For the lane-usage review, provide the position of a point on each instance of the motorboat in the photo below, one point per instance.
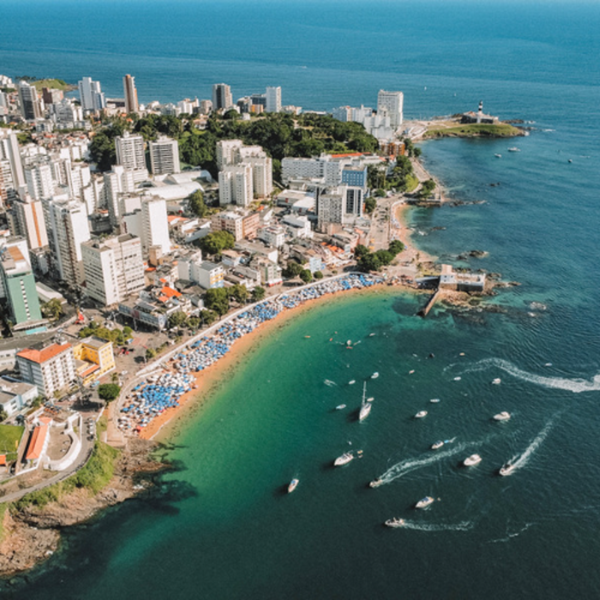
(395, 522)
(349, 343)
(352, 382)
(375, 375)
(340, 407)
(472, 460)
(514, 149)
(457, 379)
(371, 334)
(502, 416)
(424, 502)
(293, 485)
(344, 459)
(370, 399)
(496, 381)
(434, 400)
(437, 445)
(364, 411)
(411, 372)
(376, 483)
(507, 469)
(421, 414)
(498, 155)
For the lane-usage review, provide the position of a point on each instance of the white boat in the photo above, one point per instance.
(340, 407)
(424, 502)
(376, 483)
(507, 469)
(352, 382)
(371, 334)
(457, 379)
(503, 416)
(370, 399)
(437, 445)
(395, 522)
(514, 149)
(421, 414)
(293, 485)
(498, 155)
(344, 459)
(496, 381)
(349, 343)
(364, 411)
(472, 460)
(434, 400)
(375, 375)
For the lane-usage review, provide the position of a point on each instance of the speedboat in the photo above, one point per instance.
(371, 334)
(370, 399)
(349, 343)
(434, 400)
(340, 407)
(496, 381)
(498, 155)
(424, 502)
(364, 411)
(437, 445)
(421, 414)
(507, 469)
(376, 483)
(457, 379)
(352, 382)
(503, 416)
(375, 375)
(514, 149)
(472, 460)
(344, 459)
(395, 522)
(293, 485)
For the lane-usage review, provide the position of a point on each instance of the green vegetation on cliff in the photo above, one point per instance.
(474, 130)
(55, 84)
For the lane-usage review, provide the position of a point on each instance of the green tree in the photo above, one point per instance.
(258, 294)
(384, 257)
(427, 188)
(370, 205)
(292, 270)
(177, 319)
(109, 391)
(3, 414)
(193, 323)
(52, 309)
(395, 247)
(196, 204)
(102, 151)
(318, 275)
(360, 251)
(369, 262)
(150, 353)
(239, 293)
(208, 316)
(215, 243)
(306, 276)
(217, 299)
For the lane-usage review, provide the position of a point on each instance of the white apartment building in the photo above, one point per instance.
(31, 105)
(322, 167)
(235, 185)
(227, 152)
(234, 153)
(298, 227)
(50, 369)
(131, 97)
(130, 151)
(164, 156)
(262, 175)
(330, 208)
(273, 235)
(40, 182)
(155, 226)
(31, 222)
(70, 229)
(221, 96)
(391, 104)
(273, 96)
(117, 182)
(188, 266)
(66, 113)
(13, 177)
(90, 95)
(113, 268)
(210, 275)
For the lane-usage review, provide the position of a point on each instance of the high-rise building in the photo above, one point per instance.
(221, 96)
(91, 96)
(130, 151)
(273, 96)
(18, 284)
(52, 368)
(29, 215)
(262, 175)
(51, 96)
(113, 268)
(131, 97)
(9, 153)
(31, 107)
(227, 152)
(38, 175)
(235, 185)
(70, 228)
(391, 104)
(118, 181)
(155, 227)
(164, 156)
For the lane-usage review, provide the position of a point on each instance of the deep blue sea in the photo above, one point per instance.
(220, 525)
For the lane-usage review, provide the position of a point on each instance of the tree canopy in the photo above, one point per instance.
(109, 391)
(216, 242)
(217, 299)
(196, 204)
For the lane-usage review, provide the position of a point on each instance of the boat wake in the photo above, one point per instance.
(576, 385)
(330, 383)
(462, 526)
(509, 536)
(412, 464)
(519, 461)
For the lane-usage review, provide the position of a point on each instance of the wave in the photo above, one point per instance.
(462, 526)
(575, 385)
(519, 461)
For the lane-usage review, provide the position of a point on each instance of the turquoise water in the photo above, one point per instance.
(220, 525)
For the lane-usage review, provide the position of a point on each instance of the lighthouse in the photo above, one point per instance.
(480, 111)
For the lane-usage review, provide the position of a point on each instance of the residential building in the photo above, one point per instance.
(227, 152)
(131, 96)
(273, 235)
(51, 96)
(15, 394)
(18, 286)
(240, 225)
(113, 268)
(143, 311)
(262, 175)
(31, 106)
(117, 182)
(235, 185)
(273, 98)
(298, 227)
(164, 156)
(270, 272)
(51, 369)
(210, 275)
(29, 216)
(391, 104)
(10, 162)
(130, 151)
(94, 358)
(70, 229)
(38, 175)
(154, 225)
(330, 209)
(221, 97)
(91, 96)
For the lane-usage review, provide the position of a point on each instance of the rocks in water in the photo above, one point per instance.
(495, 184)
(538, 306)
(472, 254)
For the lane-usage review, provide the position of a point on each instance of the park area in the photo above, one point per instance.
(10, 436)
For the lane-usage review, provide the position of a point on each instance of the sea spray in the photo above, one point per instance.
(519, 461)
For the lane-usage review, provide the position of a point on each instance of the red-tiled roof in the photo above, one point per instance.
(170, 292)
(41, 356)
(36, 442)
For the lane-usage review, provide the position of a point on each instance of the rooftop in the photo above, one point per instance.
(36, 442)
(44, 355)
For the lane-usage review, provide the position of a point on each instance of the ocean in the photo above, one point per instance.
(220, 525)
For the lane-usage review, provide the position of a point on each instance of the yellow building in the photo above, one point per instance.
(94, 358)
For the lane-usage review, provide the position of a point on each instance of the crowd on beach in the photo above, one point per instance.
(160, 392)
